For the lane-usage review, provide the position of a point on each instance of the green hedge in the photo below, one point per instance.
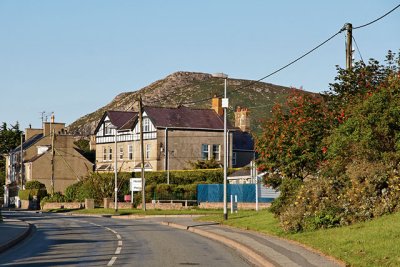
(184, 177)
(35, 185)
(28, 194)
(56, 197)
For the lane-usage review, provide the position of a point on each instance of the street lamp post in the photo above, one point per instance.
(225, 105)
(115, 172)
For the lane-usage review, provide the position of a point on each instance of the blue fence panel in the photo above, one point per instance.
(214, 193)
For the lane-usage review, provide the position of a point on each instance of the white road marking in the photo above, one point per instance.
(119, 248)
(111, 262)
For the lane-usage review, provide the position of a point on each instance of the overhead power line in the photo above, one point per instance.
(274, 72)
(297, 59)
(375, 20)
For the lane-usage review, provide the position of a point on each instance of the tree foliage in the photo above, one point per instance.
(349, 142)
(291, 141)
(10, 138)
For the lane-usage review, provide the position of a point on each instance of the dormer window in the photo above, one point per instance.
(107, 128)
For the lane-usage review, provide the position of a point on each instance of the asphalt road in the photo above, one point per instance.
(59, 240)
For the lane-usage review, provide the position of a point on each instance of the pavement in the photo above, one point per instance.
(258, 249)
(12, 231)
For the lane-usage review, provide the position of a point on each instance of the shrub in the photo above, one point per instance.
(74, 192)
(24, 194)
(28, 194)
(34, 185)
(288, 189)
(315, 205)
(57, 197)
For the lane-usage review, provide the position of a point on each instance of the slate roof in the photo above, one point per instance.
(186, 118)
(121, 118)
(28, 143)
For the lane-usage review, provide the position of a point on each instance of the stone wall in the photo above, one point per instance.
(30, 204)
(244, 206)
(164, 206)
(62, 205)
(124, 205)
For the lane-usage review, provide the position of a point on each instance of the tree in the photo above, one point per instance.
(291, 141)
(363, 79)
(10, 138)
(358, 177)
(372, 130)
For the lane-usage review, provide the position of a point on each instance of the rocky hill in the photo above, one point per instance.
(185, 88)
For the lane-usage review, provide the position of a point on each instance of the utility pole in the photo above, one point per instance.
(142, 153)
(22, 163)
(116, 172)
(349, 46)
(52, 162)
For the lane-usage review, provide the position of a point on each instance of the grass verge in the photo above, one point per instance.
(372, 243)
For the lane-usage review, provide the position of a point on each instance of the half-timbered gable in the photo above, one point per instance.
(173, 137)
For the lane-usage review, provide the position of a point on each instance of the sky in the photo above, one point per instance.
(72, 57)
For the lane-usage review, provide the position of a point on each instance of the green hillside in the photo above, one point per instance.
(185, 88)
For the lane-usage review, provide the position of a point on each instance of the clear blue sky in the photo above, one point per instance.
(74, 56)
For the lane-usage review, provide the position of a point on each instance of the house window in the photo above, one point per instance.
(216, 152)
(146, 125)
(204, 151)
(109, 153)
(130, 152)
(104, 153)
(233, 158)
(107, 128)
(121, 153)
(148, 147)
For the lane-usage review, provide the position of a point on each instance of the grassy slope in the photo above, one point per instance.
(259, 97)
(373, 243)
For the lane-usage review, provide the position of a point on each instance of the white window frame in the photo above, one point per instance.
(216, 154)
(107, 128)
(146, 125)
(110, 153)
(205, 154)
(148, 149)
(105, 153)
(130, 152)
(121, 153)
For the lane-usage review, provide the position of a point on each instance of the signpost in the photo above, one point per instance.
(135, 184)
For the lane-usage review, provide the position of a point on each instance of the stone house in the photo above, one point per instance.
(68, 167)
(173, 137)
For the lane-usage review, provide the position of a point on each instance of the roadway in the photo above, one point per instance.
(63, 240)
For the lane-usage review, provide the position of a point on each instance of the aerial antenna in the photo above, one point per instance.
(44, 116)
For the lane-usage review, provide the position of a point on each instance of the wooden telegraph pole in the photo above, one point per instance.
(142, 153)
(52, 162)
(349, 46)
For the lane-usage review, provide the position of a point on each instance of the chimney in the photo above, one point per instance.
(30, 132)
(52, 117)
(217, 105)
(242, 119)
